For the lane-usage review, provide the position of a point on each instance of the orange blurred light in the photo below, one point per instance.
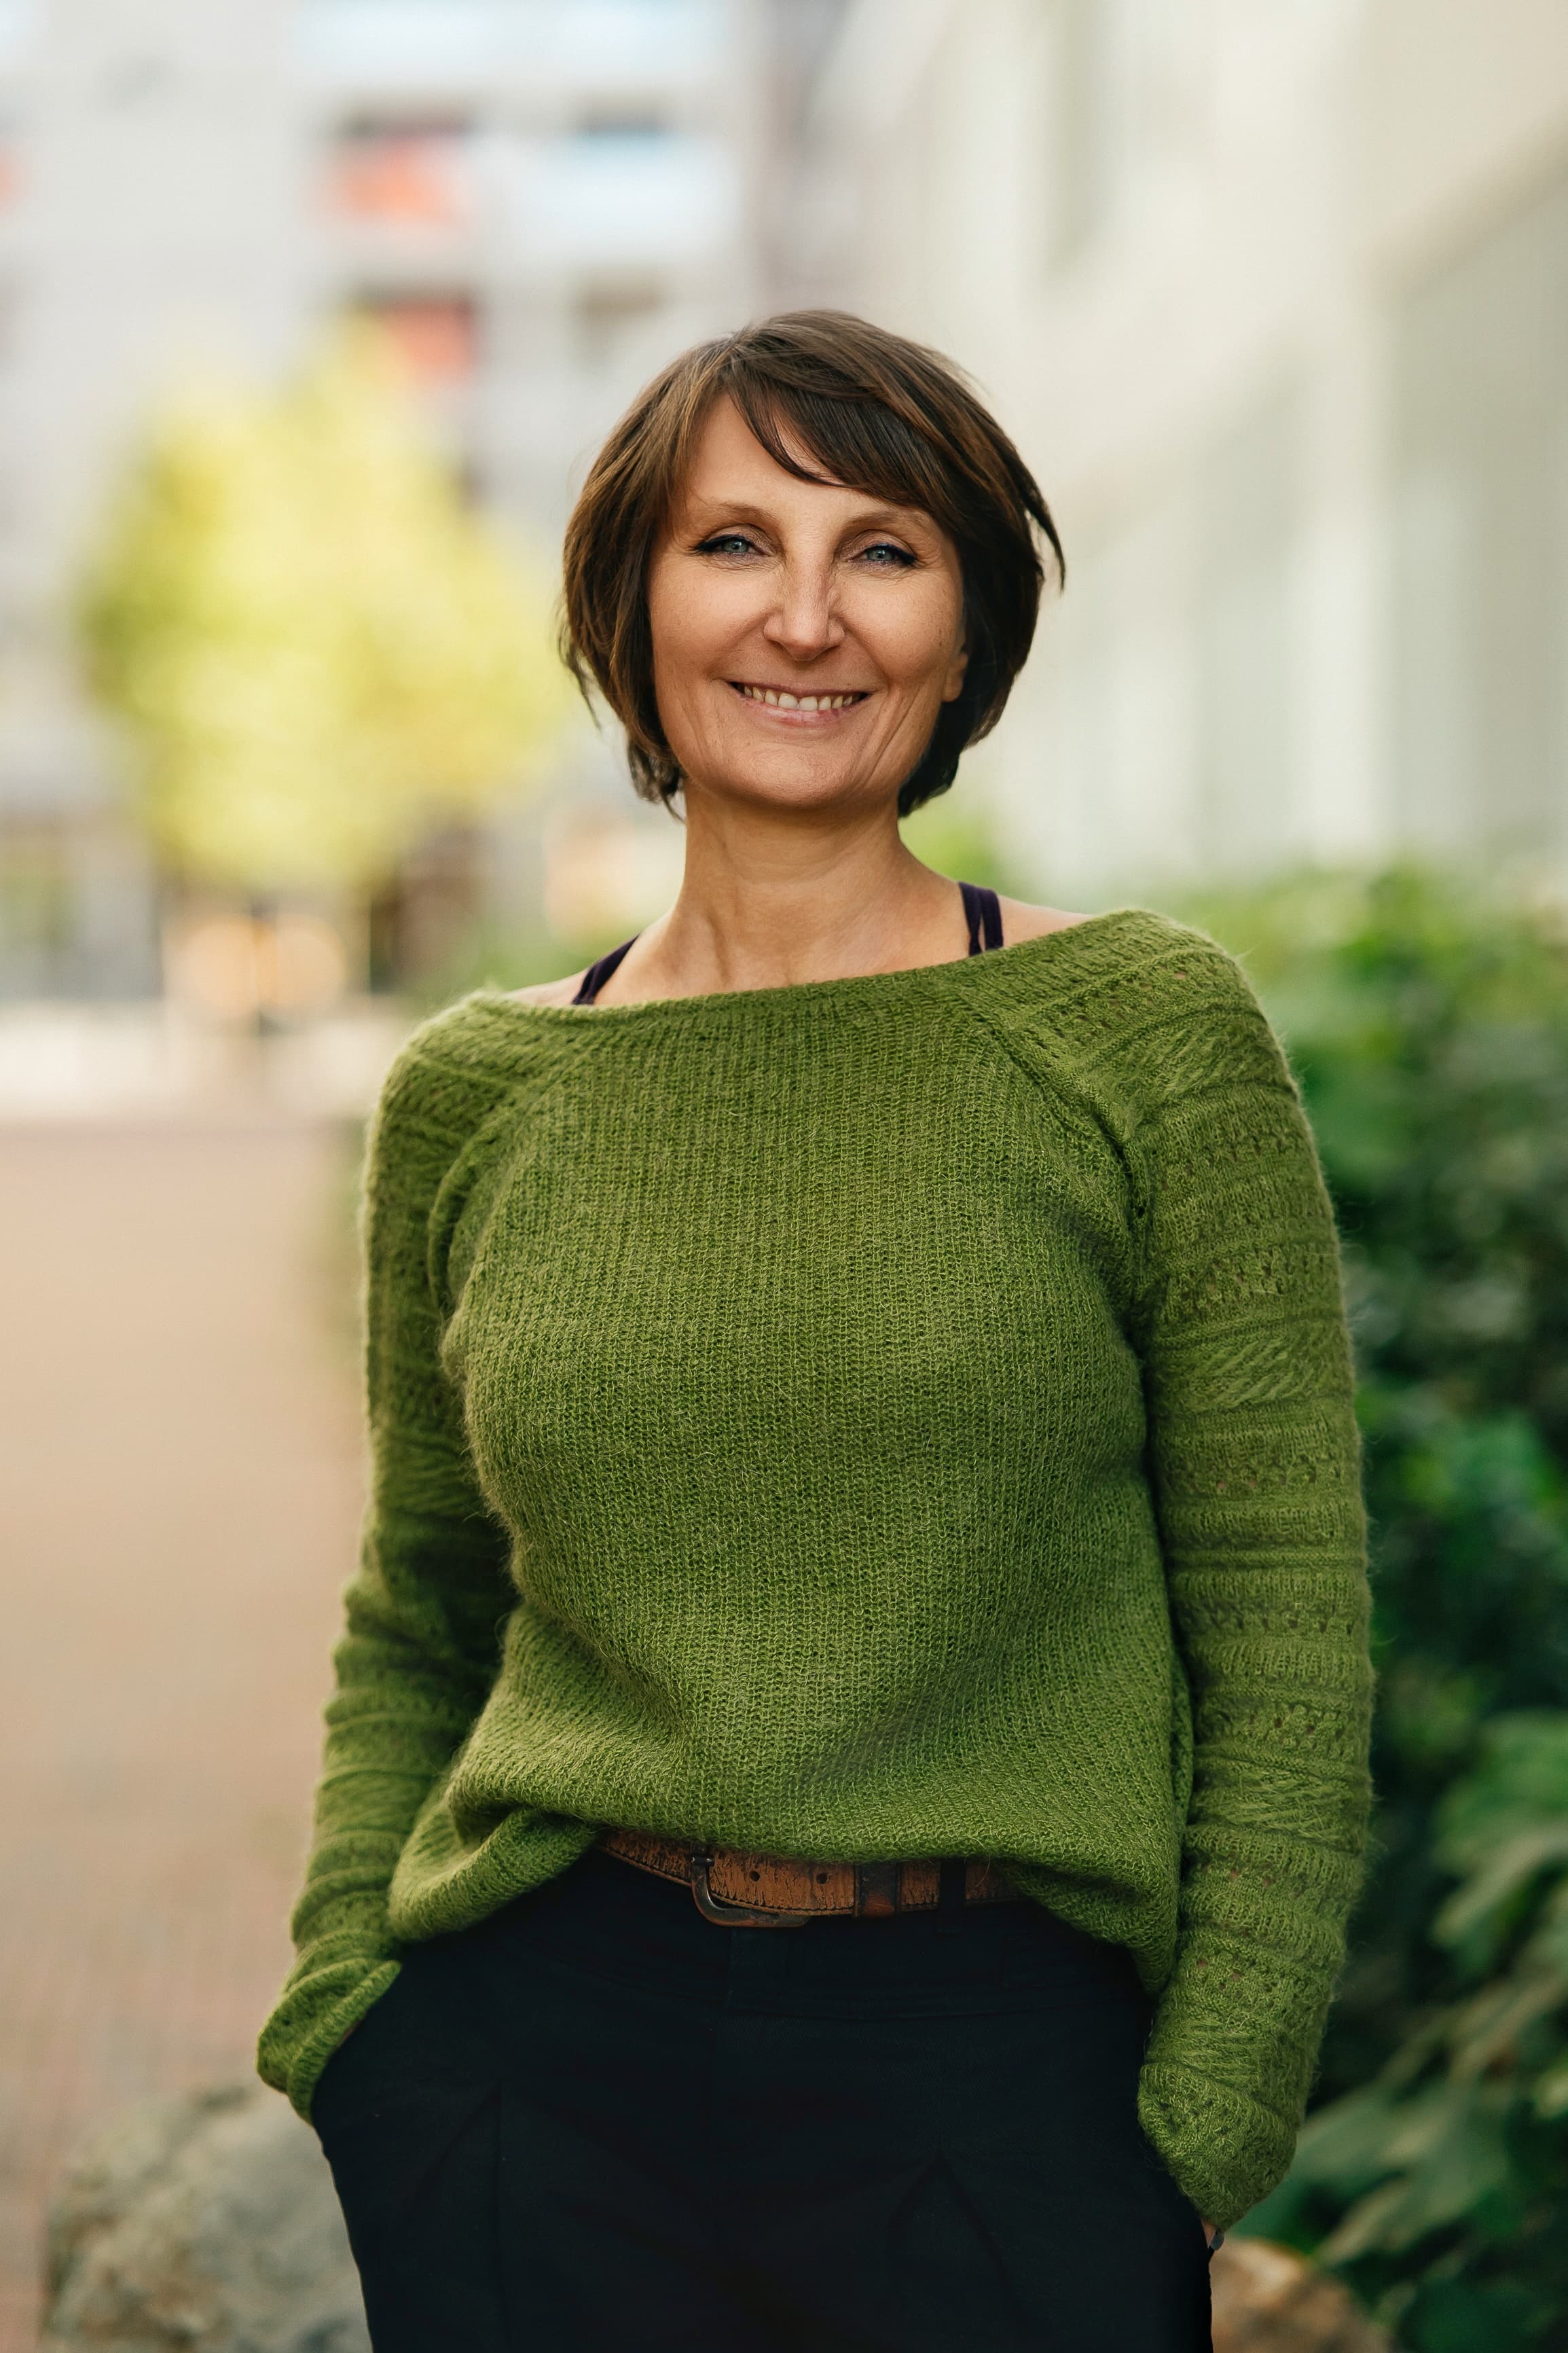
(233, 967)
(409, 175)
(213, 966)
(302, 966)
(436, 336)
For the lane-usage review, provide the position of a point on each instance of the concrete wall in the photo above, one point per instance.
(1213, 264)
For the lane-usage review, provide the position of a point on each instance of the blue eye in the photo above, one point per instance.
(887, 557)
(727, 543)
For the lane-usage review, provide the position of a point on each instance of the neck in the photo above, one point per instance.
(771, 898)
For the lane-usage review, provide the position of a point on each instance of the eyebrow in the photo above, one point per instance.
(743, 511)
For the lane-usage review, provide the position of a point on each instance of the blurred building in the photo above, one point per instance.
(1276, 299)
(542, 199)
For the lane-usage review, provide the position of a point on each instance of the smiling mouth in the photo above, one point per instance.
(779, 698)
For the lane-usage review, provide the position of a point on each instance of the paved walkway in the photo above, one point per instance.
(179, 1487)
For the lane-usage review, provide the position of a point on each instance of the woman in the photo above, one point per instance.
(847, 1766)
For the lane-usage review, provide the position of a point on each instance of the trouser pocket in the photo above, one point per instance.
(418, 2183)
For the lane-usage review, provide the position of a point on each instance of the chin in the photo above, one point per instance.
(803, 788)
(782, 777)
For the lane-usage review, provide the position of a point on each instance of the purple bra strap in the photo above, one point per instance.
(983, 911)
(596, 976)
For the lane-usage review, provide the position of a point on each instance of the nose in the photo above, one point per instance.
(804, 623)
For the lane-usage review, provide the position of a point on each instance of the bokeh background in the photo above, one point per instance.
(311, 312)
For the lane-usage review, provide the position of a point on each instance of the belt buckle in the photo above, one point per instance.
(736, 1915)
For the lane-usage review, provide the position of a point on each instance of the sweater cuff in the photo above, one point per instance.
(1225, 2150)
(321, 2006)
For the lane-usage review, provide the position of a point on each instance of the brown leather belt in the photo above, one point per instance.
(772, 1891)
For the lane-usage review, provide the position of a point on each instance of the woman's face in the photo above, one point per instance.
(804, 636)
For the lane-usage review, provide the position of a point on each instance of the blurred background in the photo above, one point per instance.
(311, 315)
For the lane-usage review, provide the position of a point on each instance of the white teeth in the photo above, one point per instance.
(781, 700)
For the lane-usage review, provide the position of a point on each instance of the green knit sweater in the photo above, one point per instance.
(896, 1416)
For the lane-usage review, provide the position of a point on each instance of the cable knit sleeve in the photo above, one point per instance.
(422, 1639)
(1254, 1458)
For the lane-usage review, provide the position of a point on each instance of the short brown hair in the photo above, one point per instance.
(877, 413)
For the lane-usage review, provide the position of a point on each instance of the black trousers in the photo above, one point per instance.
(598, 2124)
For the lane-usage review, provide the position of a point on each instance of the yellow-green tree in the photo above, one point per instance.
(315, 646)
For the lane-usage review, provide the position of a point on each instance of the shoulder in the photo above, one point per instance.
(1136, 1008)
(1022, 922)
(551, 992)
(447, 1076)
(1120, 971)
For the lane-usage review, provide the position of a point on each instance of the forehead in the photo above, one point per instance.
(729, 465)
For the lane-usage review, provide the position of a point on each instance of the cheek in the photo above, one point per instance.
(672, 625)
(691, 620)
(913, 639)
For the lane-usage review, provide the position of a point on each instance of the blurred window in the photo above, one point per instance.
(407, 173)
(17, 22)
(400, 41)
(613, 44)
(614, 199)
(437, 335)
(631, 43)
(1481, 540)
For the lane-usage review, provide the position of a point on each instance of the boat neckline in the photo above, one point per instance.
(806, 991)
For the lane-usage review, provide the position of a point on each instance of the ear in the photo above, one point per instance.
(957, 670)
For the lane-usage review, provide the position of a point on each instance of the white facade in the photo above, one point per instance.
(1275, 303)
(543, 198)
